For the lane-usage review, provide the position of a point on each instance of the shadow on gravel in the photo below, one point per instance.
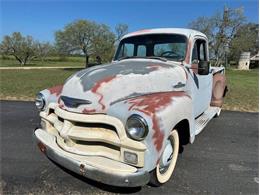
(105, 187)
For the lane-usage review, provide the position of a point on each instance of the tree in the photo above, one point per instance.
(220, 30)
(44, 50)
(245, 40)
(22, 48)
(121, 30)
(83, 36)
(103, 43)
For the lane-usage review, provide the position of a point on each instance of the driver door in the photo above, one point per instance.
(202, 83)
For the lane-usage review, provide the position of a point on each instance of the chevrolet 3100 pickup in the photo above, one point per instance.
(124, 123)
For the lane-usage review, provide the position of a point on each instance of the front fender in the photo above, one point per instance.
(52, 95)
(162, 111)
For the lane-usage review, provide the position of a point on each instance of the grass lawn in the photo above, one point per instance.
(50, 61)
(243, 94)
(24, 84)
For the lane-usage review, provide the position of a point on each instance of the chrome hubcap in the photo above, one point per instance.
(166, 157)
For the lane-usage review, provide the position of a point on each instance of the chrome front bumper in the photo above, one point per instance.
(98, 168)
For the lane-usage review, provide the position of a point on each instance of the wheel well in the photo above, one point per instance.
(183, 129)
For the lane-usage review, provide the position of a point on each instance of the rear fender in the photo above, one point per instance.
(219, 88)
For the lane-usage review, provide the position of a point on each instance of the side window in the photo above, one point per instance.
(199, 51)
(202, 51)
(195, 53)
(141, 50)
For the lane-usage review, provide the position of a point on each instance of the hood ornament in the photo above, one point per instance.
(73, 102)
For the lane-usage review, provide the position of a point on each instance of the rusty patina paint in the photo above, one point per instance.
(98, 85)
(61, 106)
(140, 32)
(42, 147)
(88, 111)
(194, 68)
(56, 90)
(82, 169)
(102, 86)
(89, 78)
(151, 105)
(155, 67)
(218, 87)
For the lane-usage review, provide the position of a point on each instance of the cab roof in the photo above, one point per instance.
(182, 31)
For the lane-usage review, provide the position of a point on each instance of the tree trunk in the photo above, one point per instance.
(26, 59)
(18, 59)
(87, 60)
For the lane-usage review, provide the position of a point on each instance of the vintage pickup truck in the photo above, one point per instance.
(124, 123)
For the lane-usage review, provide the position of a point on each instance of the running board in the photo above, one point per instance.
(203, 120)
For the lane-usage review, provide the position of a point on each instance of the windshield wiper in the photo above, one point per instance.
(144, 57)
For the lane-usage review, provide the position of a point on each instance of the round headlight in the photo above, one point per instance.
(40, 101)
(136, 127)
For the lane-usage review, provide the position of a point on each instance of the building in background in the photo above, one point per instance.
(254, 61)
(246, 62)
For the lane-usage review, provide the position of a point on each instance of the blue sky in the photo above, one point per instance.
(42, 18)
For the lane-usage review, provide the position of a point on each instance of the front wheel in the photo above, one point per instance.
(163, 171)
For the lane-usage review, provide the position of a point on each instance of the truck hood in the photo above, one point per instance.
(95, 89)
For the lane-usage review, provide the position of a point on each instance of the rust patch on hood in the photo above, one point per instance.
(154, 67)
(56, 90)
(97, 86)
(90, 77)
(108, 84)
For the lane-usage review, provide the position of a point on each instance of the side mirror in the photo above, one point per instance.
(203, 67)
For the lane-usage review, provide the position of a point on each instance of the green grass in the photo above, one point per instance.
(49, 61)
(243, 94)
(13, 63)
(24, 84)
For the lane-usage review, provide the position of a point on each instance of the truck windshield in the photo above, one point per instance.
(166, 46)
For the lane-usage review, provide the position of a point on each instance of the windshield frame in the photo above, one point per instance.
(115, 58)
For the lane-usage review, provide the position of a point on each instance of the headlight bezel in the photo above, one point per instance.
(41, 99)
(141, 121)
